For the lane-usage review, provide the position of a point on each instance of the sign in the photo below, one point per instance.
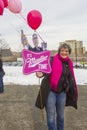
(36, 62)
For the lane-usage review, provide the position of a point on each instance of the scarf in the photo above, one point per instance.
(57, 70)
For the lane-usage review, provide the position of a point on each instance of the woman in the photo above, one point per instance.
(63, 89)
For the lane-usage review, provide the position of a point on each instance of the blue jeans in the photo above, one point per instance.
(56, 102)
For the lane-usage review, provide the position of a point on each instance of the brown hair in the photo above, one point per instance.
(64, 45)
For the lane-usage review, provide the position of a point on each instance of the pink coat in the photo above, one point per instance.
(57, 71)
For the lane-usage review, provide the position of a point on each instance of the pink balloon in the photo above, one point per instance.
(34, 19)
(15, 6)
(5, 3)
(1, 7)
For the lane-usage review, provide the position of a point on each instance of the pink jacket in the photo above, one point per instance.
(57, 71)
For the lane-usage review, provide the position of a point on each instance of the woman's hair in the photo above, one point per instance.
(64, 45)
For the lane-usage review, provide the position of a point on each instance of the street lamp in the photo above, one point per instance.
(76, 52)
(83, 63)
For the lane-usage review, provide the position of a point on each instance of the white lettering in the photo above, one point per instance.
(42, 66)
(33, 62)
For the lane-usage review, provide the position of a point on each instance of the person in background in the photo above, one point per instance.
(62, 91)
(2, 73)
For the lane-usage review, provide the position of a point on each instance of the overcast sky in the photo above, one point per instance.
(61, 20)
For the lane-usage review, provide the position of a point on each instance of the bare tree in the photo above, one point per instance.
(3, 44)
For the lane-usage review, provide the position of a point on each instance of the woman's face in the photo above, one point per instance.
(64, 52)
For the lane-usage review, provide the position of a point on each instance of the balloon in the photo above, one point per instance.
(34, 19)
(1, 7)
(5, 3)
(15, 6)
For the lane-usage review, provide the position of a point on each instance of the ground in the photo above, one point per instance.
(18, 111)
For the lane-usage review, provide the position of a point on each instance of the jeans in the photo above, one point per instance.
(55, 104)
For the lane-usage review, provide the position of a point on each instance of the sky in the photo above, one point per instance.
(61, 20)
(14, 75)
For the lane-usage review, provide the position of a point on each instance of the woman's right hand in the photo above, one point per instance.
(39, 74)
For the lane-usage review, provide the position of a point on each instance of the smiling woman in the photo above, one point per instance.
(64, 50)
(60, 88)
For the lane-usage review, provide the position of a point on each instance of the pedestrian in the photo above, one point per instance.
(60, 88)
(2, 73)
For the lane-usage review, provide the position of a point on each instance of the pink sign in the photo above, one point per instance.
(36, 62)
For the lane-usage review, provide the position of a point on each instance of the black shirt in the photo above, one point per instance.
(63, 84)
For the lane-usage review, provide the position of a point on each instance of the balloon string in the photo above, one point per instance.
(23, 17)
(39, 36)
(20, 13)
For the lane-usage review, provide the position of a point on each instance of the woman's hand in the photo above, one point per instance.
(39, 74)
